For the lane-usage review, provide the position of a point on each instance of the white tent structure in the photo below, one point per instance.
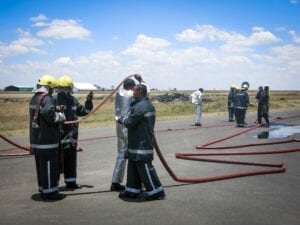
(84, 86)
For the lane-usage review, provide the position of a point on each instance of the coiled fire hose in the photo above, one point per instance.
(272, 168)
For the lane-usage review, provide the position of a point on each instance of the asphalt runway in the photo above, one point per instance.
(270, 199)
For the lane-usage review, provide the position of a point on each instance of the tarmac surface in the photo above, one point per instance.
(270, 199)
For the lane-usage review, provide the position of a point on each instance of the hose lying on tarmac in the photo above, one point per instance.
(276, 168)
(272, 168)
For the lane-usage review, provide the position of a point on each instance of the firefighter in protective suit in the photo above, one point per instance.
(123, 99)
(140, 171)
(241, 105)
(230, 102)
(69, 132)
(44, 137)
(196, 99)
(264, 109)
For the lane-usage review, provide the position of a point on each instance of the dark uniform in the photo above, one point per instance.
(69, 134)
(230, 103)
(241, 105)
(264, 108)
(44, 141)
(259, 103)
(140, 124)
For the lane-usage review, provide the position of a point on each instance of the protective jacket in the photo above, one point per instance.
(122, 102)
(140, 124)
(69, 132)
(45, 134)
(242, 99)
(72, 109)
(196, 97)
(264, 97)
(44, 141)
(258, 95)
(231, 96)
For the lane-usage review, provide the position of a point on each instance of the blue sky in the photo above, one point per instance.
(183, 44)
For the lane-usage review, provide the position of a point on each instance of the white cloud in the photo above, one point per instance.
(64, 29)
(25, 44)
(164, 67)
(145, 44)
(296, 38)
(287, 53)
(63, 61)
(201, 33)
(38, 18)
(233, 41)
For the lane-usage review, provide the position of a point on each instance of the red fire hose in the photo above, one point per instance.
(275, 168)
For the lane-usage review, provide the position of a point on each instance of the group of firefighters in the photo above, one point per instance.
(238, 102)
(54, 143)
(54, 112)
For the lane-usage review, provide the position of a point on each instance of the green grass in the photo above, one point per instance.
(14, 114)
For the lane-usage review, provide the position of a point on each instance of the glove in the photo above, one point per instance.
(90, 96)
(119, 119)
(60, 117)
(138, 77)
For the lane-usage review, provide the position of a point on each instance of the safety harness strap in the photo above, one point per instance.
(38, 105)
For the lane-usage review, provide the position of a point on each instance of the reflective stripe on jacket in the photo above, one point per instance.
(45, 134)
(140, 124)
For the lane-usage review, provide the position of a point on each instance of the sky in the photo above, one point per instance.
(173, 44)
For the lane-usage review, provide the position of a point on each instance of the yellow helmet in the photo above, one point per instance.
(48, 80)
(233, 86)
(65, 81)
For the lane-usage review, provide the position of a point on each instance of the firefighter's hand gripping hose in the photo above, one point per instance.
(271, 168)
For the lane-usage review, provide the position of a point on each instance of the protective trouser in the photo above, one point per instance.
(240, 114)
(139, 173)
(120, 165)
(259, 112)
(47, 170)
(198, 114)
(70, 164)
(264, 113)
(231, 112)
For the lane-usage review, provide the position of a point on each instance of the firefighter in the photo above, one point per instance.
(264, 101)
(124, 98)
(230, 102)
(140, 171)
(259, 103)
(241, 105)
(196, 99)
(44, 137)
(69, 132)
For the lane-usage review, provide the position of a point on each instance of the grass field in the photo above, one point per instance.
(14, 114)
